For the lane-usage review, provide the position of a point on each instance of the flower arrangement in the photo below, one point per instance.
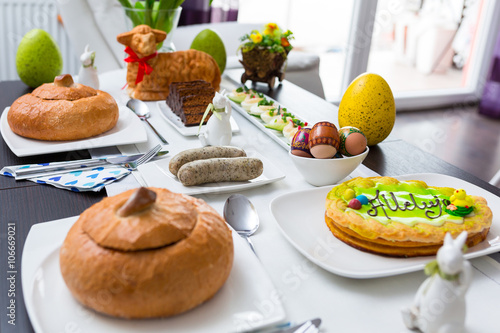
(271, 38)
(264, 54)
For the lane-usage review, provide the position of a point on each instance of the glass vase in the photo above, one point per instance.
(161, 19)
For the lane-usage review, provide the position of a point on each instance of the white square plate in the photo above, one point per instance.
(51, 307)
(127, 130)
(306, 229)
(177, 123)
(157, 174)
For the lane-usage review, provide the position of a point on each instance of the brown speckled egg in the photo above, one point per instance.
(352, 141)
(324, 140)
(300, 143)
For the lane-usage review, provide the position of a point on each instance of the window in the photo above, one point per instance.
(431, 52)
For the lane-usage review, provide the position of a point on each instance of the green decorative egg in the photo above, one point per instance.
(38, 58)
(210, 42)
(368, 104)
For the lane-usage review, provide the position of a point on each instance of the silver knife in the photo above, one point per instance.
(63, 167)
(302, 327)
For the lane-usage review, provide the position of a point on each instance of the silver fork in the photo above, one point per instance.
(144, 158)
(77, 165)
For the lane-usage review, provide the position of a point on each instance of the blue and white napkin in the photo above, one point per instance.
(77, 181)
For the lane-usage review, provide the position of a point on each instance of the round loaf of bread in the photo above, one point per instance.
(147, 253)
(63, 111)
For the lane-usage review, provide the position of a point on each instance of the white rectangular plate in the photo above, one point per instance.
(273, 134)
(157, 174)
(177, 123)
(51, 307)
(127, 130)
(305, 228)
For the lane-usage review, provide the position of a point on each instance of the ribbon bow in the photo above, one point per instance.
(144, 67)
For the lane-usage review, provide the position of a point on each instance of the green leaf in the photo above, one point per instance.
(149, 4)
(210, 107)
(134, 16)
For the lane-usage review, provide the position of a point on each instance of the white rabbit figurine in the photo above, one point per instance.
(439, 305)
(218, 129)
(88, 73)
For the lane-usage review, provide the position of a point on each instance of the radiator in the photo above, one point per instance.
(17, 17)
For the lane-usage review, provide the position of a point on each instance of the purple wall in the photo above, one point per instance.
(490, 102)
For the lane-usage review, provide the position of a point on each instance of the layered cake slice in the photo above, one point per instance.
(189, 100)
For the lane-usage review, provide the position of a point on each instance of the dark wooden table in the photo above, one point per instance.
(24, 203)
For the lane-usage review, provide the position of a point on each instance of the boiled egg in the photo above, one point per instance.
(324, 140)
(257, 110)
(269, 116)
(300, 143)
(250, 101)
(352, 141)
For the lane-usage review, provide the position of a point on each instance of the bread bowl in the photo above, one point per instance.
(63, 110)
(147, 253)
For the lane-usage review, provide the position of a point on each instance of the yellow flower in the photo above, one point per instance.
(256, 37)
(270, 28)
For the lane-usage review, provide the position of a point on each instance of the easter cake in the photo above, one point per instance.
(403, 218)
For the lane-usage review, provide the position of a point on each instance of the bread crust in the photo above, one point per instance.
(395, 238)
(178, 66)
(63, 113)
(156, 282)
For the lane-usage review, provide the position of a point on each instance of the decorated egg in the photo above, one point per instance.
(324, 140)
(352, 141)
(368, 104)
(300, 143)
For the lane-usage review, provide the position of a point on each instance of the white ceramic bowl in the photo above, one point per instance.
(320, 172)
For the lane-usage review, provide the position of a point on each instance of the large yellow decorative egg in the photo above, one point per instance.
(368, 104)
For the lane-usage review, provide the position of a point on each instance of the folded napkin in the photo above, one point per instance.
(77, 181)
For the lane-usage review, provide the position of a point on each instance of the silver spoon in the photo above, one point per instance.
(240, 213)
(142, 111)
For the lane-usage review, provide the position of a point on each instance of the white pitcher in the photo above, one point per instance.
(218, 129)
(88, 73)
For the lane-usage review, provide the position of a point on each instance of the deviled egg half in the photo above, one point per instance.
(262, 106)
(251, 100)
(283, 122)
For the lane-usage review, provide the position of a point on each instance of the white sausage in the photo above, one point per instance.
(201, 154)
(220, 170)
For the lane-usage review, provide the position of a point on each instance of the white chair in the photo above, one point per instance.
(97, 23)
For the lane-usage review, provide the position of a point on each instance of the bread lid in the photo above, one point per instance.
(63, 88)
(140, 219)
